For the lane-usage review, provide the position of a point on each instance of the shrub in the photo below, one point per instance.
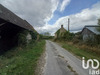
(68, 36)
(22, 41)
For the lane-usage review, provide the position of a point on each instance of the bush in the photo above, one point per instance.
(93, 41)
(67, 36)
(98, 39)
(22, 41)
(34, 35)
(75, 41)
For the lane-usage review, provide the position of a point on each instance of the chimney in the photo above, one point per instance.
(68, 23)
(61, 26)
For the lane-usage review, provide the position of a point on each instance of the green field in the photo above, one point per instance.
(21, 61)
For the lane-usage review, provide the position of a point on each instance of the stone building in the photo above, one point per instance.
(60, 32)
(90, 32)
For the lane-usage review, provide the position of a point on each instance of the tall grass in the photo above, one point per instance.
(78, 51)
(21, 61)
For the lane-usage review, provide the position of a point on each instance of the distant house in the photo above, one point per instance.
(90, 32)
(60, 31)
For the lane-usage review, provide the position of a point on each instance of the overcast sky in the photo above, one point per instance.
(49, 15)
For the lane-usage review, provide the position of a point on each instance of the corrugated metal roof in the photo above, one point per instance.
(12, 18)
(94, 29)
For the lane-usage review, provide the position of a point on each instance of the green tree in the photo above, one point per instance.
(47, 34)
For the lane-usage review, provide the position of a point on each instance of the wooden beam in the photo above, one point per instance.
(2, 24)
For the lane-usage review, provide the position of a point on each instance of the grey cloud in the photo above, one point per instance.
(34, 11)
(77, 21)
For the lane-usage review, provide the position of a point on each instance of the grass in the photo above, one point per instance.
(80, 52)
(21, 61)
(72, 69)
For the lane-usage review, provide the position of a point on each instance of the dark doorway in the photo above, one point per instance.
(8, 36)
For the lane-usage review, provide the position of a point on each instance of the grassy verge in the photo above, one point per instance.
(21, 61)
(80, 52)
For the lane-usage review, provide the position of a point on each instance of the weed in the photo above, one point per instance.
(21, 61)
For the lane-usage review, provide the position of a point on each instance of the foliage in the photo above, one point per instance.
(68, 36)
(58, 32)
(41, 36)
(22, 40)
(81, 52)
(21, 61)
(46, 37)
(98, 39)
(93, 42)
(46, 34)
(64, 36)
(34, 35)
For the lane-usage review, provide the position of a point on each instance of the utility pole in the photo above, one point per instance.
(68, 23)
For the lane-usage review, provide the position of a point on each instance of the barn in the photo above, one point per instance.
(10, 25)
(90, 32)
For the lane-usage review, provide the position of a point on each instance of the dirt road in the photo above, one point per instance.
(60, 62)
